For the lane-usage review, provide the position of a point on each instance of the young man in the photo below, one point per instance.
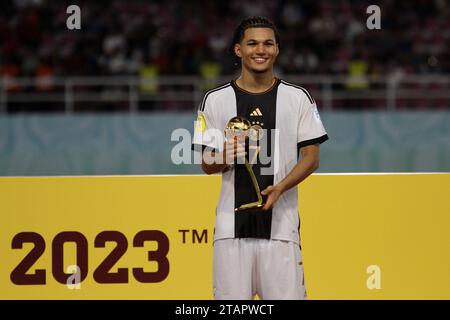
(258, 252)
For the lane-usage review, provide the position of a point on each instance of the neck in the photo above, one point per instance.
(255, 82)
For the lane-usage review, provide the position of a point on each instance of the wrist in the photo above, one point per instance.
(281, 187)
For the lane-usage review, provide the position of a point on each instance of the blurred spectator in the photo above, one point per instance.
(10, 70)
(44, 76)
(320, 35)
(174, 37)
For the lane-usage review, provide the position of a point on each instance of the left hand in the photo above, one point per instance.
(273, 194)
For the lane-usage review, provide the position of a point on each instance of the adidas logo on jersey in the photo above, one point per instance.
(256, 112)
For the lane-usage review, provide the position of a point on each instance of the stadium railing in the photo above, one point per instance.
(73, 94)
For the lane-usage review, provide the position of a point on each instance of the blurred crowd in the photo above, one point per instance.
(175, 37)
(185, 37)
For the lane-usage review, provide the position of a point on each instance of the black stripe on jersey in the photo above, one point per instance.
(309, 142)
(202, 106)
(298, 87)
(254, 224)
(198, 147)
(202, 147)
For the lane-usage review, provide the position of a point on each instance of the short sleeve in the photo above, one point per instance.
(206, 133)
(310, 128)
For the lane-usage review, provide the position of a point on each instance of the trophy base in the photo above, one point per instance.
(257, 207)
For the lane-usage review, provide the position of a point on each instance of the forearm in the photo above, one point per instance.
(213, 163)
(305, 167)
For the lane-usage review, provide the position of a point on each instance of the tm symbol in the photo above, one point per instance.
(196, 236)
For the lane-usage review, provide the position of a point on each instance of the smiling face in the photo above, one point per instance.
(258, 50)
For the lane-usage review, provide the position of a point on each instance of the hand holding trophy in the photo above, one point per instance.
(241, 128)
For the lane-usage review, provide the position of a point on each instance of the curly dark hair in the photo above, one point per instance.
(253, 22)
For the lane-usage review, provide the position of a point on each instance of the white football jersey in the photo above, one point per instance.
(288, 114)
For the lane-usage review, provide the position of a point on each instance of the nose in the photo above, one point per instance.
(260, 48)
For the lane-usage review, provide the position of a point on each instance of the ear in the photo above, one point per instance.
(237, 50)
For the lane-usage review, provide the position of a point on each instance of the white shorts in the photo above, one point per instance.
(244, 267)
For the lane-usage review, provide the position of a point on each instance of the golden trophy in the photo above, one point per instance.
(239, 126)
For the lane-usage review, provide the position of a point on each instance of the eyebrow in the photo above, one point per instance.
(254, 40)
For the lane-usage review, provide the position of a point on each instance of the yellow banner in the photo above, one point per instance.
(150, 237)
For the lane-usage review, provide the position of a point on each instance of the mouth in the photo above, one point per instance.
(260, 60)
